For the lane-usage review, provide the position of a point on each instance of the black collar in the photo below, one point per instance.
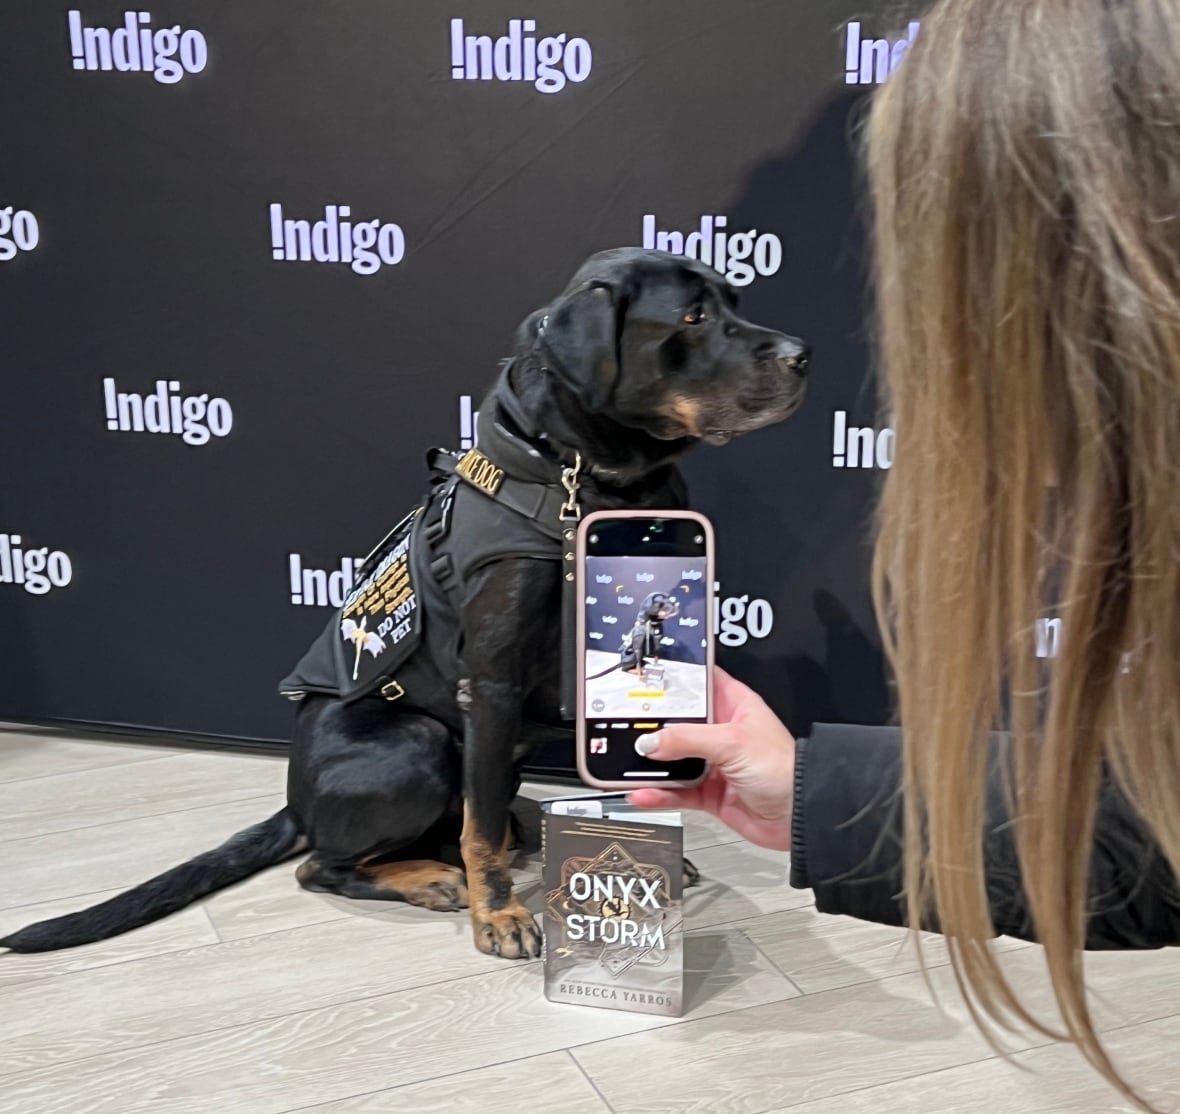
(509, 435)
(536, 482)
(503, 445)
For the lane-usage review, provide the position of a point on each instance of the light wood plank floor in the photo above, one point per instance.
(268, 999)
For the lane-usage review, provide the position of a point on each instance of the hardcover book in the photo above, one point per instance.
(613, 879)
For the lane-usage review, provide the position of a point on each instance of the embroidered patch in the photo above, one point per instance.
(379, 622)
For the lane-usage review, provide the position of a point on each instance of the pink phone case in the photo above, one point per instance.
(584, 526)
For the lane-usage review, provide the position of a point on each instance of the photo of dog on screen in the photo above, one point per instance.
(646, 636)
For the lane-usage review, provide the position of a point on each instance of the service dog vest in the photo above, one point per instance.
(398, 632)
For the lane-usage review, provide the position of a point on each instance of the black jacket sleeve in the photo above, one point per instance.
(846, 845)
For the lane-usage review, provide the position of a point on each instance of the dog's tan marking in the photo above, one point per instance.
(500, 923)
(415, 881)
(420, 882)
(686, 411)
(306, 871)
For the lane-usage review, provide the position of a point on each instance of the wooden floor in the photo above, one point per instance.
(266, 998)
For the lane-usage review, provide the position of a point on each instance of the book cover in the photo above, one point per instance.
(613, 928)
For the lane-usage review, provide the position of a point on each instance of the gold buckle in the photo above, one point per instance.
(391, 690)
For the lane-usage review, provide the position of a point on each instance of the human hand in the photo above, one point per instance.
(750, 785)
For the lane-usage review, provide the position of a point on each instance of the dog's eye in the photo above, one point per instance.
(694, 316)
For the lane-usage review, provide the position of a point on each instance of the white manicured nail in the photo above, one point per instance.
(647, 744)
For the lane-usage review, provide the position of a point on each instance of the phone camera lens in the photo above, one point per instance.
(594, 537)
(699, 539)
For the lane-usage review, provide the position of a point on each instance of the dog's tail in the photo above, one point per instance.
(239, 857)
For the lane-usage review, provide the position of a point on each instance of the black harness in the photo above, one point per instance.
(397, 634)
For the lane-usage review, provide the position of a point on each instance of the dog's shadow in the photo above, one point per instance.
(714, 962)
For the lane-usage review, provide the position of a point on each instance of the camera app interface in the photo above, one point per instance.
(646, 637)
(646, 618)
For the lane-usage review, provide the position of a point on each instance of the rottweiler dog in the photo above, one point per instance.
(642, 641)
(642, 357)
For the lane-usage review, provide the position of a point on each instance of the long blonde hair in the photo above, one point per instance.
(1024, 167)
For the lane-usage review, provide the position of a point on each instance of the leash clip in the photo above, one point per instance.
(570, 511)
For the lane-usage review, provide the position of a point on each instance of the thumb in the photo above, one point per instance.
(711, 741)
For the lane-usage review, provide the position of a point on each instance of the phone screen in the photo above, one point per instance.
(647, 607)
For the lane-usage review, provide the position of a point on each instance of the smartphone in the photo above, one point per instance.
(644, 585)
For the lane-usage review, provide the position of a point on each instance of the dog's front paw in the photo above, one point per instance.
(692, 876)
(510, 932)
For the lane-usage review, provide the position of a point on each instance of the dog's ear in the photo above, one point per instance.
(579, 341)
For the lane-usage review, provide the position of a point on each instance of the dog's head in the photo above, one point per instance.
(659, 606)
(654, 342)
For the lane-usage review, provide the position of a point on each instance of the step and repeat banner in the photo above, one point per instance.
(256, 258)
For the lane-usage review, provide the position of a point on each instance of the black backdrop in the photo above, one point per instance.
(149, 259)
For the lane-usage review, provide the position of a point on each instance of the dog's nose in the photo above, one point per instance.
(793, 356)
(790, 353)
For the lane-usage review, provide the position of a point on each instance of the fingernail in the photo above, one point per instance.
(647, 744)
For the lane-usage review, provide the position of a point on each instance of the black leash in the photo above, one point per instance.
(605, 672)
(571, 513)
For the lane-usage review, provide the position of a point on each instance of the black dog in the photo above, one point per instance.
(642, 641)
(641, 358)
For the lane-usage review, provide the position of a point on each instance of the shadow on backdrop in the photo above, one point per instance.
(781, 493)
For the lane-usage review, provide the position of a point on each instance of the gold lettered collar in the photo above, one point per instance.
(480, 472)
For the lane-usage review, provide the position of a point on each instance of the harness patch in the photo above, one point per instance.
(380, 622)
